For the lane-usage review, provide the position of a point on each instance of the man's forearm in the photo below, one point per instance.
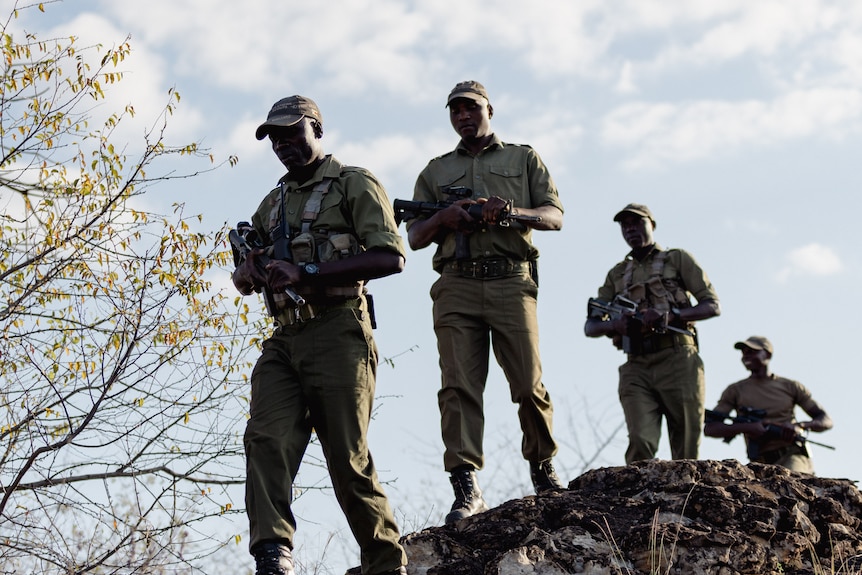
(703, 310)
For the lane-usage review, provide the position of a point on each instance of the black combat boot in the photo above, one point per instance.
(544, 477)
(468, 496)
(272, 558)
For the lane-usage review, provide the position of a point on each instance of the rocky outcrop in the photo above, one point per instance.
(688, 517)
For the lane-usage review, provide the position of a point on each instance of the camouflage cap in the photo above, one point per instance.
(471, 89)
(756, 342)
(288, 111)
(639, 210)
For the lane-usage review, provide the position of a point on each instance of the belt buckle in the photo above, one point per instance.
(470, 269)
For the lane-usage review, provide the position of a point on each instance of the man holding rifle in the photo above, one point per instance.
(775, 436)
(325, 230)
(663, 375)
(487, 289)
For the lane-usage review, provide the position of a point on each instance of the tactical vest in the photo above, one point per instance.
(307, 245)
(657, 292)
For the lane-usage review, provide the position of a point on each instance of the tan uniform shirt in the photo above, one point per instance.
(777, 395)
(511, 171)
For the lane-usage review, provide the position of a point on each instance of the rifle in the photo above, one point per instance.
(407, 210)
(623, 306)
(243, 240)
(752, 415)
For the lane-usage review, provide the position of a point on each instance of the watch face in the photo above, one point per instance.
(311, 269)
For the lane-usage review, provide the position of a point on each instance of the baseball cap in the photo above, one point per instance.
(756, 342)
(288, 111)
(636, 209)
(470, 89)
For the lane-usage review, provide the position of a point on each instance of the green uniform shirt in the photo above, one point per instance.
(511, 171)
(356, 203)
(679, 266)
(777, 395)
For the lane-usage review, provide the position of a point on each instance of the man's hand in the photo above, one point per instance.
(754, 429)
(282, 275)
(248, 277)
(494, 208)
(455, 217)
(655, 320)
(789, 431)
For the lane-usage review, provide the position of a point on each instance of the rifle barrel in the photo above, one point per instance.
(297, 299)
(818, 444)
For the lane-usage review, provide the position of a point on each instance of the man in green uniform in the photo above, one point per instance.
(776, 437)
(327, 229)
(663, 375)
(487, 290)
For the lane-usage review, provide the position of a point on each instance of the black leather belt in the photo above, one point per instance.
(310, 311)
(487, 268)
(774, 455)
(657, 342)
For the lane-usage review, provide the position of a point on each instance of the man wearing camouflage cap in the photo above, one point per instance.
(324, 231)
(663, 375)
(768, 402)
(487, 290)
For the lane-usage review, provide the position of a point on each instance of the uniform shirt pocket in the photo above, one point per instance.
(506, 182)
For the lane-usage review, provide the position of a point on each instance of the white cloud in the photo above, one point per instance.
(343, 47)
(658, 134)
(395, 160)
(144, 84)
(811, 260)
(762, 27)
(626, 82)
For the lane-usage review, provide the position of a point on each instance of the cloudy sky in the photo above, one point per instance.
(737, 122)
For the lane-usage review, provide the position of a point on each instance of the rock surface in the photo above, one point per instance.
(689, 517)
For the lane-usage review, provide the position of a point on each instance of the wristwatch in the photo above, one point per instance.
(311, 269)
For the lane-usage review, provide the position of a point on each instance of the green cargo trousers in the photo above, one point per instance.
(668, 383)
(470, 316)
(318, 376)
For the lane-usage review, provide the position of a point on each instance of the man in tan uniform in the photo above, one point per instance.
(487, 290)
(327, 229)
(776, 438)
(663, 375)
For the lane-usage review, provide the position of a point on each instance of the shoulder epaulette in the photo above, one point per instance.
(449, 153)
(528, 146)
(352, 169)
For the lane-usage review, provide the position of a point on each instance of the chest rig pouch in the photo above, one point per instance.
(657, 292)
(307, 245)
